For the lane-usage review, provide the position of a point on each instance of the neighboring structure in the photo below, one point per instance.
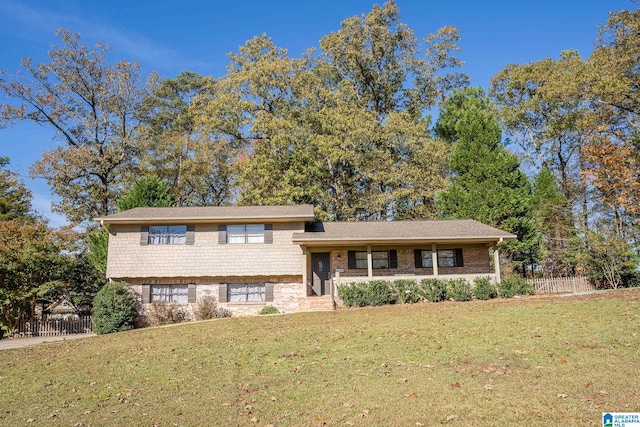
(251, 256)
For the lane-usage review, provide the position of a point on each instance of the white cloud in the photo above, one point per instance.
(39, 23)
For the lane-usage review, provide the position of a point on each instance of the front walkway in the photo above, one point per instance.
(26, 342)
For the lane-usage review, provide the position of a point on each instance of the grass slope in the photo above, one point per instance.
(530, 361)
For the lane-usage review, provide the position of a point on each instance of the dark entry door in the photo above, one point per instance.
(321, 273)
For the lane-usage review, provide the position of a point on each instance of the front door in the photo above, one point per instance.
(321, 273)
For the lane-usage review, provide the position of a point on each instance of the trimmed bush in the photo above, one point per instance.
(514, 285)
(375, 292)
(114, 309)
(460, 290)
(435, 290)
(406, 291)
(269, 309)
(484, 288)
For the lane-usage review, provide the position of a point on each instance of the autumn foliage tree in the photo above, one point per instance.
(93, 109)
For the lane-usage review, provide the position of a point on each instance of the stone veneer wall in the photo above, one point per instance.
(286, 293)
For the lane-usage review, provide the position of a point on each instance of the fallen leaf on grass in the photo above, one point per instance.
(410, 395)
(348, 405)
(562, 361)
(587, 385)
(455, 385)
(488, 387)
(562, 396)
(451, 417)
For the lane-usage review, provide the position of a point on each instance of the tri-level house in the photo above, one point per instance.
(248, 257)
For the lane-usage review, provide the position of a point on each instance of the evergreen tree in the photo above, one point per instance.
(486, 182)
(147, 191)
(554, 220)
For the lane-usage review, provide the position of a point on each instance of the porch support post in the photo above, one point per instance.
(369, 262)
(304, 271)
(434, 259)
(496, 262)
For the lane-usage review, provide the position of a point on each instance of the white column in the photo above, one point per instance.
(304, 271)
(434, 259)
(496, 262)
(369, 262)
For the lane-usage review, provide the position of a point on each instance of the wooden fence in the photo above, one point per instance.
(562, 284)
(47, 327)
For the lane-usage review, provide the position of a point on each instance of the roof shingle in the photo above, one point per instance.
(211, 213)
(394, 231)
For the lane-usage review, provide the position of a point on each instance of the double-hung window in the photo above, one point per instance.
(167, 234)
(170, 293)
(446, 258)
(379, 259)
(245, 233)
(246, 292)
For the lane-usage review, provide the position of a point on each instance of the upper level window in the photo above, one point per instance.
(245, 233)
(167, 234)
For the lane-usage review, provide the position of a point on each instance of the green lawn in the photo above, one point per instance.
(529, 361)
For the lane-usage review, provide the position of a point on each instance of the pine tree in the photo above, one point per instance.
(487, 184)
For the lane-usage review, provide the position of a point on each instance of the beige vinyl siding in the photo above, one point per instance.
(206, 257)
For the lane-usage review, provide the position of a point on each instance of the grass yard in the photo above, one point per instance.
(533, 361)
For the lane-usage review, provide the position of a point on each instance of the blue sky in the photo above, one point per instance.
(171, 36)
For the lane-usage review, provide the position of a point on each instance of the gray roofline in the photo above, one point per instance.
(201, 219)
(367, 240)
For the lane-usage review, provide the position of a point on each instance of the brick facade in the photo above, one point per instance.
(476, 260)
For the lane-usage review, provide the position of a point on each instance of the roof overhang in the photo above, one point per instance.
(399, 241)
(203, 220)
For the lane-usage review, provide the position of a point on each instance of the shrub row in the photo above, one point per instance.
(406, 291)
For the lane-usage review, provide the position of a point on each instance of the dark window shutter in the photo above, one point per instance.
(191, 234)
(459, 261)
(146, 293)
(268, 233)
(144, 235)
(191, 293)
(351, 259)
(417, 256)
(393, 258)
(222, 234)
(268, 292)
(222, 292)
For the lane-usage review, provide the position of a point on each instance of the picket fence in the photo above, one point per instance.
(562, 284)
(48, 327)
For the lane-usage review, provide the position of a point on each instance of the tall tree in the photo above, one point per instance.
(542, 108)
(94, 109)
(15, 198)
(612, 150)
(554, 221)
(198, 165)
(342, 129)
(486, 183)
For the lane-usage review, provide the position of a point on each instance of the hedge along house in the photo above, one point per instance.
(248, 257)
